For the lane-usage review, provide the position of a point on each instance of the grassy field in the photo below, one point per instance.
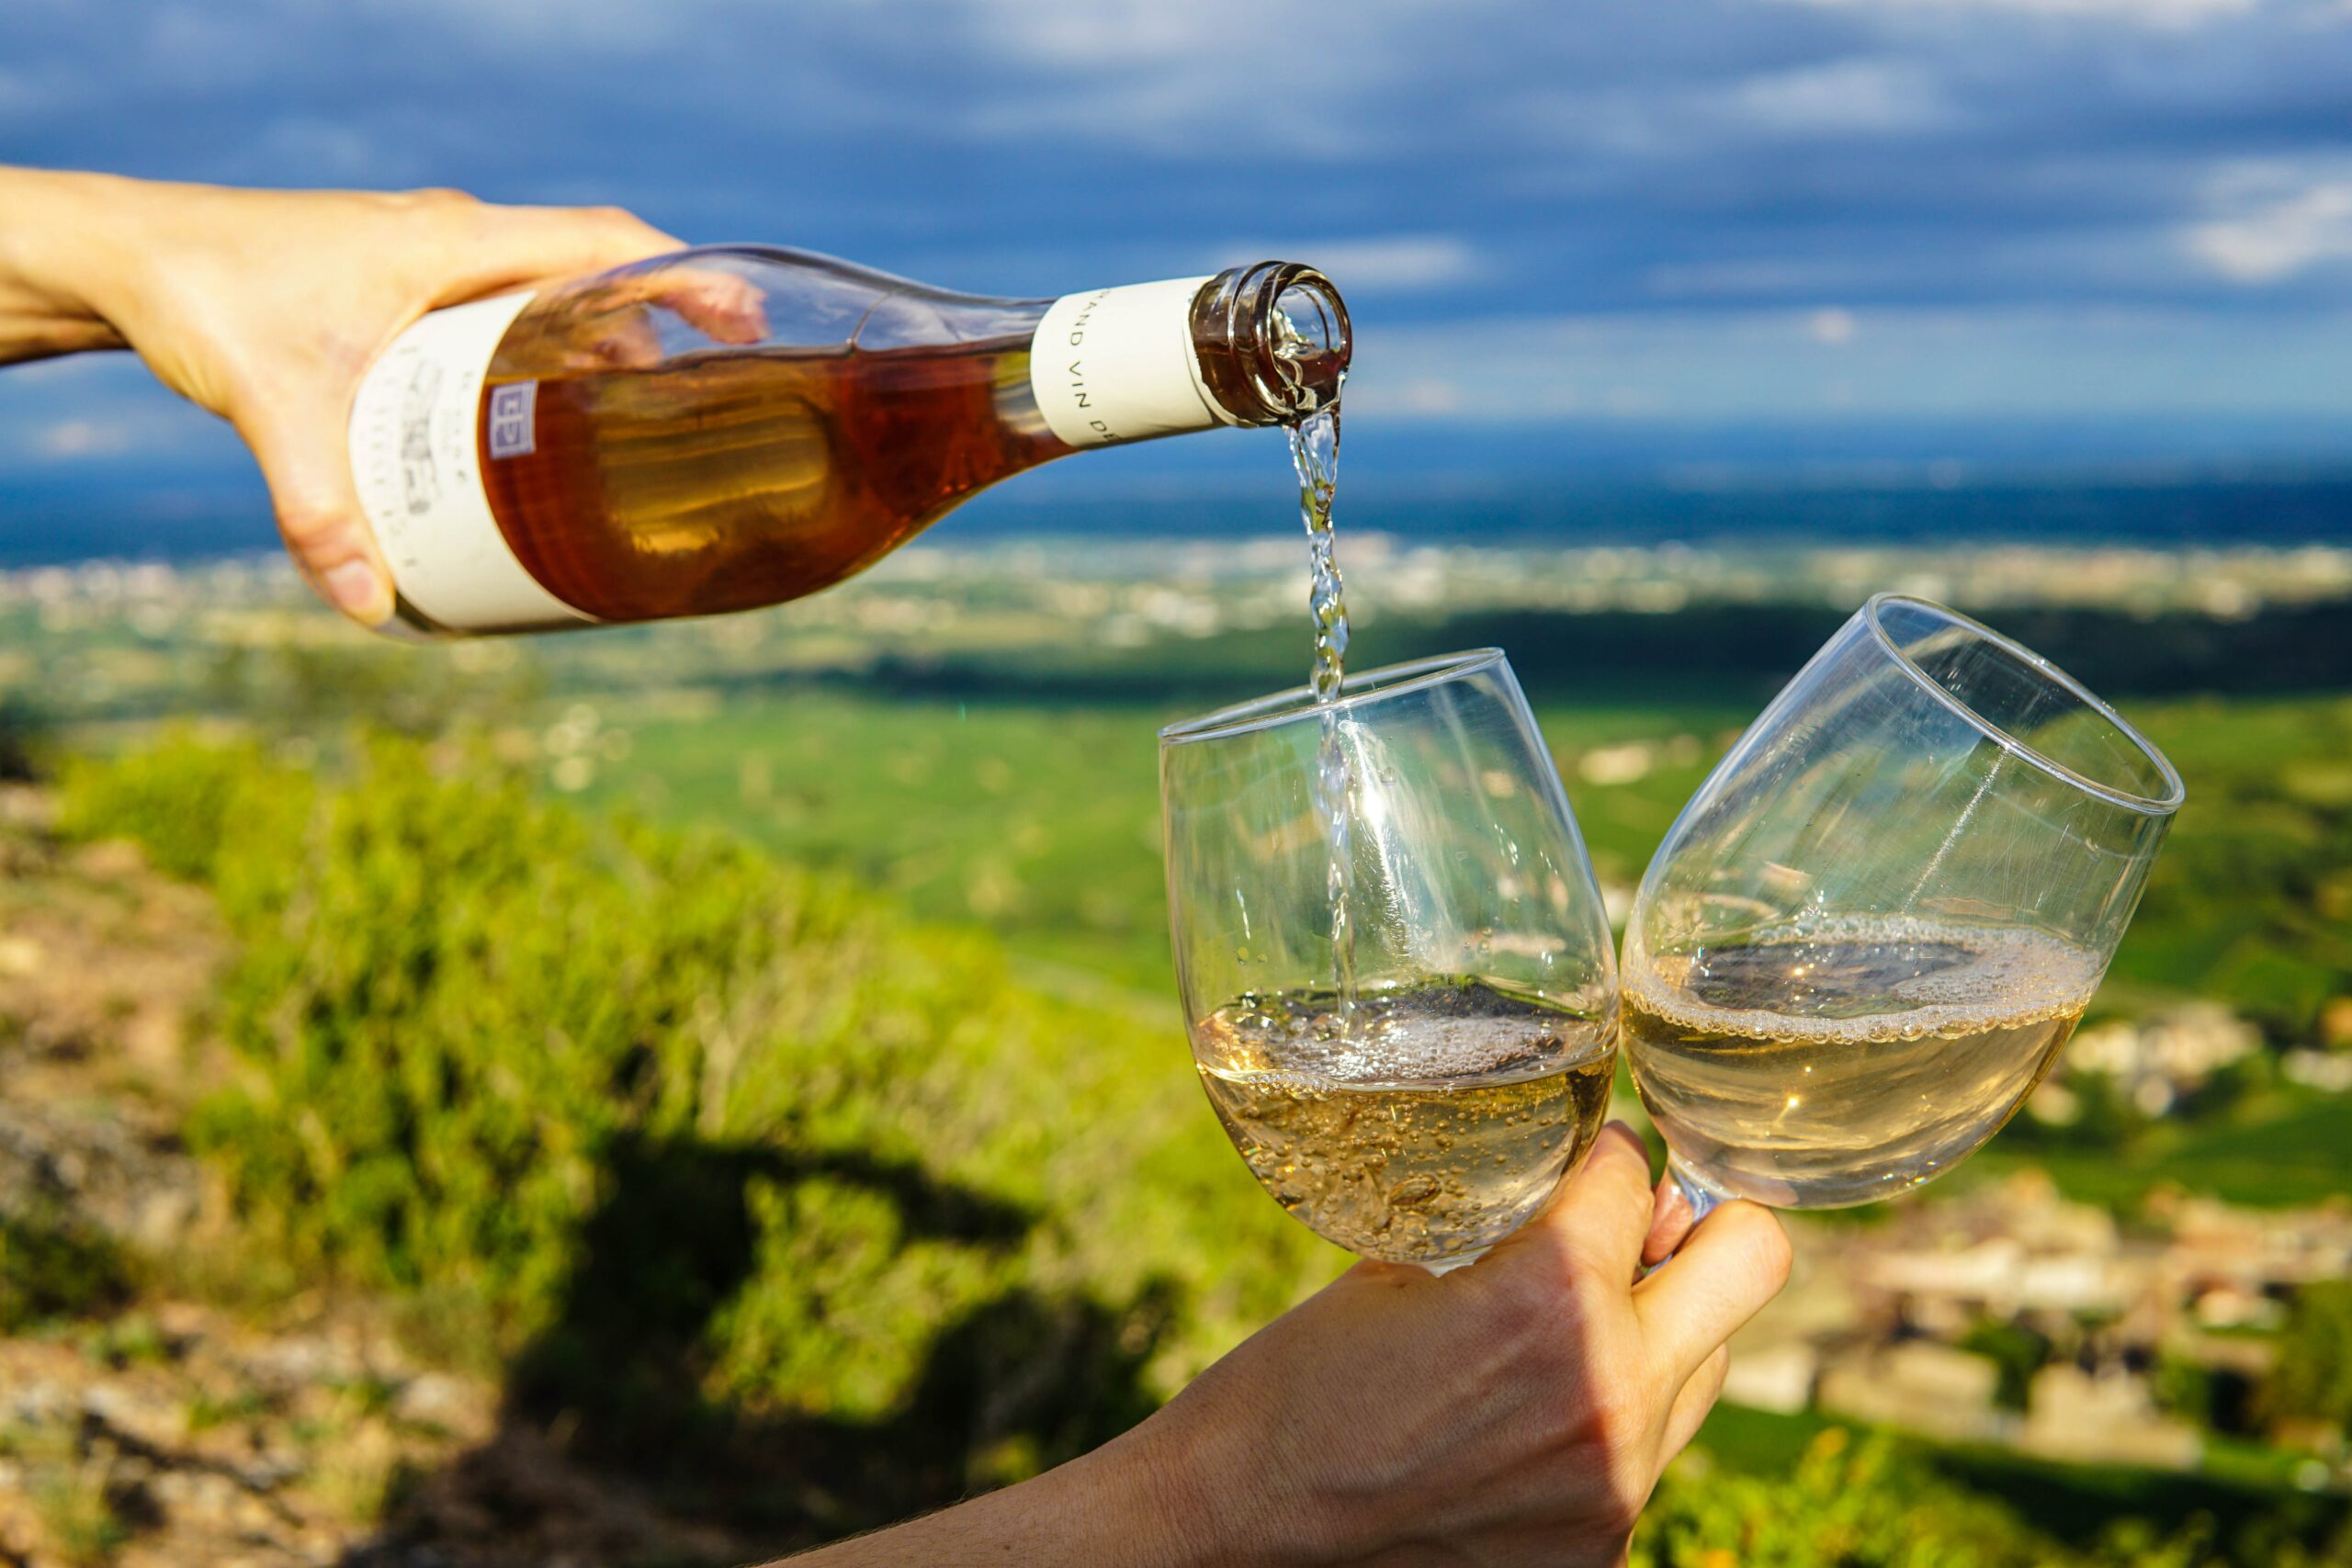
(1032, 815)
(1040, 821)
(2285, 1146)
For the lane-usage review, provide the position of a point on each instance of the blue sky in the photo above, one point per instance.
(1577, 217)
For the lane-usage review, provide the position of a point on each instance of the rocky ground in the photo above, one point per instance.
(163, 1402)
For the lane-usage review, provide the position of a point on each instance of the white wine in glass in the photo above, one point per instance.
(1867, 936)
(1430, 1127)
(1437, 1106)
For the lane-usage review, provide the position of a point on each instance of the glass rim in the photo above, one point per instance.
(1295, 703)
(2151, 806)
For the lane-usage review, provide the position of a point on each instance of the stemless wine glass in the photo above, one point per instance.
(1428, 1109)
(1864, 939)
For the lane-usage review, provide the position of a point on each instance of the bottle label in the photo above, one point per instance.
(1117, 364)
(415, 429)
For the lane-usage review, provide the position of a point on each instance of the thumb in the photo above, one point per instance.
(302, 446)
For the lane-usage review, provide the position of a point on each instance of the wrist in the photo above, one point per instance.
(67, 244)
(1179, 1492)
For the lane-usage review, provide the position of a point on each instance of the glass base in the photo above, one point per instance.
(1448, 1264)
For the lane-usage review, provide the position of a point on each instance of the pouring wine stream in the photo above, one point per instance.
(1315, 452)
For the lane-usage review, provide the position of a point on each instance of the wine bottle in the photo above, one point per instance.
(735, 427)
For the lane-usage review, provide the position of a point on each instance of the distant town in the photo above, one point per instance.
(1903, 1324)
(113, 633)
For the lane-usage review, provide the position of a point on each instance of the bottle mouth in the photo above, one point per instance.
(1272, 341)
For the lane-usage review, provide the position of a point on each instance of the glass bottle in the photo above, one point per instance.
(736, 427)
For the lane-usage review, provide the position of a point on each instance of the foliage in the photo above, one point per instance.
(723, 1157)
(306, 689)
(1039, 820)
(52, 1268)
(2018, 1350)
(1880, 1502)
(180, 799)
(2313, 1377)
(1864, 1504)
(24, 738)
(705, 1144)
(2190, 1390)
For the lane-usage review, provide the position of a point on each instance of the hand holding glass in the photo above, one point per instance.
(1439, 1111)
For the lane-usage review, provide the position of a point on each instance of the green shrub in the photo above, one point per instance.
(181, 799)
(2019, 1351)
(51, 1267)
(1866, 1504)
(2313, 1377)
(696, 1141)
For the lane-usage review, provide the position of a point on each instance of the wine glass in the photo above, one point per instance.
(1394, 963)
(1865, 938)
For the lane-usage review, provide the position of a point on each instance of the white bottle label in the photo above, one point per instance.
(413, 431)
(1117, 364)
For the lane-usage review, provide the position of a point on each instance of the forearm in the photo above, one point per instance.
(64, 240)
(1128, 1505)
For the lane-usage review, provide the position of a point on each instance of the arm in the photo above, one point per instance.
(266, 306)
(45, 220)
(1517, 1412)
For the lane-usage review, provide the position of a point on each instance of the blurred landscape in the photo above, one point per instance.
(672, 1093)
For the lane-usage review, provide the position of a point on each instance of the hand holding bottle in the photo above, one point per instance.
(489, 419)
(266, 308)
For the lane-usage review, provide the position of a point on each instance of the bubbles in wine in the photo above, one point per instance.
(1845, 1060)
(1437, 1121)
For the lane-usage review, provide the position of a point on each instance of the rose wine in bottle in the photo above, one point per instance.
(735, 427)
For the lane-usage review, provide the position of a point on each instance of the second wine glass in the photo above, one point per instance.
(1866, 935)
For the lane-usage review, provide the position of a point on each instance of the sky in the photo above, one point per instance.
(1564, 226)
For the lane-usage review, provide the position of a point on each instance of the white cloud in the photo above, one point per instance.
(574, 26)
(1831, 326)
(2143, 13)
(81, 438)
(1844, 96)
(100, 406)
(1119, 32)
(1761, 274)
(2273, 237)
(1995, 362)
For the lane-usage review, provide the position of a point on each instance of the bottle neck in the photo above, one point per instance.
(1261, 344)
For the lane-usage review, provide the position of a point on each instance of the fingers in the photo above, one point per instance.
(1735, 1261)
(723, 307)
(1670, 1220)
(504, 247)
(1700, 1391)
(303, 454)
(1603, 1214)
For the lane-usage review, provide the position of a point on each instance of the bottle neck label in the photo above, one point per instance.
(1117, 364)
(416, 455)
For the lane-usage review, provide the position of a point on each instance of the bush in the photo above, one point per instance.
(24, 739)
(2016, 1350)
(2313, 1377)
(51, 1267)
(1866, 1504)
(697, 1141)
(181, 800)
